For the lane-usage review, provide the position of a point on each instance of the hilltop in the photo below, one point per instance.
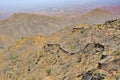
(113, 9)
(97, 16)
(91, 16)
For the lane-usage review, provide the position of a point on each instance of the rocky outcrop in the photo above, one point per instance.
(90, 75)
(55, 48)
(92, 48)
(111, 66)
(110, 21)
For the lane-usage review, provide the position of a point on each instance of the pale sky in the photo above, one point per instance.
(40, 4)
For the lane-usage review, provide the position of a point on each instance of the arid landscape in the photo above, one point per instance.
(61, 44)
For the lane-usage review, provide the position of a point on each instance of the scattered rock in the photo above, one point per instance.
(105, 58)
(111, 66)
(93, 76)
(92, 48)
(118, 78)
(52, 48)
(110, 21)
(78, 29)
(55, 48)
(117, 28)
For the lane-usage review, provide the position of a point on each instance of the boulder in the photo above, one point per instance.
(93, 48)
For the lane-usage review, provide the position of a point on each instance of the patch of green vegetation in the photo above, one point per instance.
(71, 47)
(39, 57)
(33, 78)
(9, 74)
(13, 57)
(48, 71)
(45, 51)
(99, 25)
(17, 78)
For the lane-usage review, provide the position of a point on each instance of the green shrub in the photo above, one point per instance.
(13, 57)
(71, 47)
(48, 71)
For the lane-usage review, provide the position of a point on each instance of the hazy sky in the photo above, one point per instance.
(40, 4)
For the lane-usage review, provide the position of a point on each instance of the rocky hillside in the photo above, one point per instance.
(82, 52)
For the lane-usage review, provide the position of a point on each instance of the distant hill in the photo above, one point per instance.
(26, 24)
(30, 24)
(97, 16)
(113, 9)
(88, 16)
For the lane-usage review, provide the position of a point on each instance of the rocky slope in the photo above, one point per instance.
(82, 52)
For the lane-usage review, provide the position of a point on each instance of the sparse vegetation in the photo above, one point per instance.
(48, 71)
(13, 57)
(71, 47)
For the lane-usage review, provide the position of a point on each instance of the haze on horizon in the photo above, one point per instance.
(27, 5)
